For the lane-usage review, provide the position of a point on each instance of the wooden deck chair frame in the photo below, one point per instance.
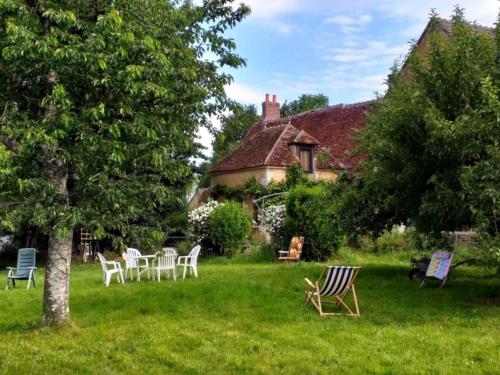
(313, 295)
(294, 252)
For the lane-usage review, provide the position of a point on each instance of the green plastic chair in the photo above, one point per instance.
(25, 269)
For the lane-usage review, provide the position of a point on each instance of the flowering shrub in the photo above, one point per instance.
(199, 226)
(272, 218)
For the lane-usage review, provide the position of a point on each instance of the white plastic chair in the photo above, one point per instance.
(170, 251)
(165, 263)
(132, 262)
(108, 272)
(190, 261)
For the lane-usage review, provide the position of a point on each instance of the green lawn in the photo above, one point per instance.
(250, 318)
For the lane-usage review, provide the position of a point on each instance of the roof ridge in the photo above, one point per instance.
(281, 120)
(277, 141)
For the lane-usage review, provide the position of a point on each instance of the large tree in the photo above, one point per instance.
(234, 126)
(432, 141)
(101, 101)
(304, 103)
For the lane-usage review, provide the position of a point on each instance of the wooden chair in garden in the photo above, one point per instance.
(294, 252)
(25, 268)
(338, 282)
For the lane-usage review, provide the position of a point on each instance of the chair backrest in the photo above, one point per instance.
(338, 280)
(296, 244)
(25, 258)
(440, 265)
(170, 251)
(166, 261)
(130, 257)
(103, 261)
(195, 251)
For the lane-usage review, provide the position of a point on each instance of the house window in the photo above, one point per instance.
(305, 157)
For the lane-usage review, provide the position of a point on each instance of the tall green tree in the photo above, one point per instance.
(304, 103)
(234, 126)
(101, 102)
(431, 137)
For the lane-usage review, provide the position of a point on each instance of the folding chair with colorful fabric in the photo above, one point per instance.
(338, 282)
(439, 267)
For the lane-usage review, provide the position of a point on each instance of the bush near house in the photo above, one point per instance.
(311, 212)
(229, 226)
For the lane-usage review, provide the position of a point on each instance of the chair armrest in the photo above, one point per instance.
(114, 263)
(32, 268)
(309, 282)
(283, 252)
(185, 257)
(11, 268)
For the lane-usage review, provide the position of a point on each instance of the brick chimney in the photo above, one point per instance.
(270, 109)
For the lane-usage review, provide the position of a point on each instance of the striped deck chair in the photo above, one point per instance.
(338, 282)
(439, 267)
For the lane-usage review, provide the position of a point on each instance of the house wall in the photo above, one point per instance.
(238, 178)
(326, 175)
(263, 175)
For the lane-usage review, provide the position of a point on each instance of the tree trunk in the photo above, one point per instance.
(56, 289)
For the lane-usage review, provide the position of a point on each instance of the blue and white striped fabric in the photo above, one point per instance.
(337, 280)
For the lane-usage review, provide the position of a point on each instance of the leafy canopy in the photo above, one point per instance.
(304, 103)
(105, 98)
(234, 126)
(432, 141)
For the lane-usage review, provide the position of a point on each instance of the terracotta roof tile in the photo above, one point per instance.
(331, 129)
(304, 138)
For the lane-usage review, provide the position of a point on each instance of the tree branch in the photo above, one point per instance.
(9, 143)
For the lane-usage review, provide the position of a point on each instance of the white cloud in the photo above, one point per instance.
(244, 93)
(349, 21)
(374, 52)
(348, 24)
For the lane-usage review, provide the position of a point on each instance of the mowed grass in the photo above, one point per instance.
(250, 318)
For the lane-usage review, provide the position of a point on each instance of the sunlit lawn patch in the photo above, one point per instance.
(250, 317)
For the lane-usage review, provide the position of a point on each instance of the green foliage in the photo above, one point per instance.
(101, 105)
(359, 207)
(433, 140)
(393, 240)
(295, 176)
(304, 103)
(234, 127)
(490, 252)
(229, 226)
(311, 213)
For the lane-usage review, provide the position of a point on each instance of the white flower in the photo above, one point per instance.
(272, 218)
(198, 220)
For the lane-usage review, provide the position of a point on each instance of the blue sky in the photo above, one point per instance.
(340, 48)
